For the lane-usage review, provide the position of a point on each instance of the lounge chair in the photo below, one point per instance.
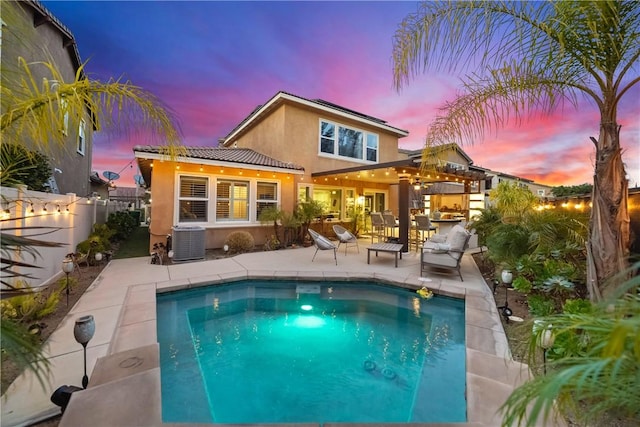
(322, 244)
(445, 251)
(346, 237)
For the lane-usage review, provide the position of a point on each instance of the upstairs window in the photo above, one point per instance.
(372, 147)
(346, 142)
(81, 137)
(193, 199)
(232, 201)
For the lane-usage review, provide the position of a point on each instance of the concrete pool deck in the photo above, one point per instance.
(122, 357)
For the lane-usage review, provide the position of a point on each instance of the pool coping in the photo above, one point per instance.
(122, 357)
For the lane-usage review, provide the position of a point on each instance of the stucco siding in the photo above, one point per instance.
(20, 38)
(164, 200)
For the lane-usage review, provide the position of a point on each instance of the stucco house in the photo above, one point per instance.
(30, 31)
(288, 150)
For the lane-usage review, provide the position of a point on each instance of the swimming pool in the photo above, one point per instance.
(292, 351)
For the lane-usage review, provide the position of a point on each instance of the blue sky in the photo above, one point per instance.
(213, 62)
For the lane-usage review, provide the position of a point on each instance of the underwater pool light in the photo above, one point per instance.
(306, 307)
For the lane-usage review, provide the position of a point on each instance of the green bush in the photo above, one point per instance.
(122, 223)
(239, 242)
(540, 305)
(577, 306)
(30, 306)
(522, 284)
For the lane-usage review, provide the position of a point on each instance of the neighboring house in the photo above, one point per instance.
(288, 150)
(99, 187)
(540, 190)
(30, 31)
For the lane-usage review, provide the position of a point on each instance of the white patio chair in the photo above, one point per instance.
(346, 237)
(322, 244)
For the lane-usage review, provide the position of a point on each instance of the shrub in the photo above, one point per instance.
(30, 306)
(239, 242)
(522, 284)
(540, 305)
(577, 306)
(122, 223)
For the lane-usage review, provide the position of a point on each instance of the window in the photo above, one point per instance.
(232, 201)
(267, 196)
(372, 147)
(81, 137)
(65, 118)
(327, 137)
(348, 142)
(193, 199)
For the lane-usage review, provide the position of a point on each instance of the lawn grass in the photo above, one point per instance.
(137, 245)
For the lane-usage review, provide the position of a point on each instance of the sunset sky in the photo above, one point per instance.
(213, 62)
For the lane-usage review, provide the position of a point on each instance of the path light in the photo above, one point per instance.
(98, 256)
(83, 331)
(67, 267)
(506, 277)
(544, 340)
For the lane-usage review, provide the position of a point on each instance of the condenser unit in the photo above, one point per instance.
(188, 243)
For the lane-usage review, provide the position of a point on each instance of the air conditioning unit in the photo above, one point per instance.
(188, 243)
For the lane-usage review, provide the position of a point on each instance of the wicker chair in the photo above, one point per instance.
(346, 237)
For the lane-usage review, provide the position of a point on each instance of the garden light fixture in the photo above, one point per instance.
(83, 331)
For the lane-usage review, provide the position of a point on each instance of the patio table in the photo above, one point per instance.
(394, 248)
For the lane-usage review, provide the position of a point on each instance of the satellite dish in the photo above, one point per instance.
(111, 176)
(139, 180)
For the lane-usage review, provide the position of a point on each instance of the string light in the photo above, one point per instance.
(58, 210)
(32, 211)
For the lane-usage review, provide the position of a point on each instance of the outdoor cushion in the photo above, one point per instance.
(445, 259)
(457, 240)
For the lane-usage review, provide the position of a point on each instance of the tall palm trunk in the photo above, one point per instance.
(608, 247)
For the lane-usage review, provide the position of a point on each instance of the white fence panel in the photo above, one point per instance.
(65, 219)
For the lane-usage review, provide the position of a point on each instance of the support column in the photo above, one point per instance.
(403, 211)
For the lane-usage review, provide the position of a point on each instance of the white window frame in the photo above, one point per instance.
(82, 137)
(272, 202)
(179, 198)
(231, 199)
(336, 133)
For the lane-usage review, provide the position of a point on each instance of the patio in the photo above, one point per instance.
(122, 357)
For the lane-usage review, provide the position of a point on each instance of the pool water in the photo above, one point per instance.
(292, 352)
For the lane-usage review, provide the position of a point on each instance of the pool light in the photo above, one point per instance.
(306, 307)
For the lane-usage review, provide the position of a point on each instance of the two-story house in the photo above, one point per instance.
(30, 31)
(288, 150)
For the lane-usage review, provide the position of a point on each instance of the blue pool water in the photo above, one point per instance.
(286, 352)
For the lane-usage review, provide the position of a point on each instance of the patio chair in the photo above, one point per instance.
(346, 237)
(377, 225)
(322, 244)
(445, 254)
(390, 222)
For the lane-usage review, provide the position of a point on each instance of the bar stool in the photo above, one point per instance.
(377, 225)
(423, 223)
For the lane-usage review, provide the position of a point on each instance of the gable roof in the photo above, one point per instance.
(42, 15)
(318, 104)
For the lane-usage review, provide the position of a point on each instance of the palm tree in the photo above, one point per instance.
(531, 57)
